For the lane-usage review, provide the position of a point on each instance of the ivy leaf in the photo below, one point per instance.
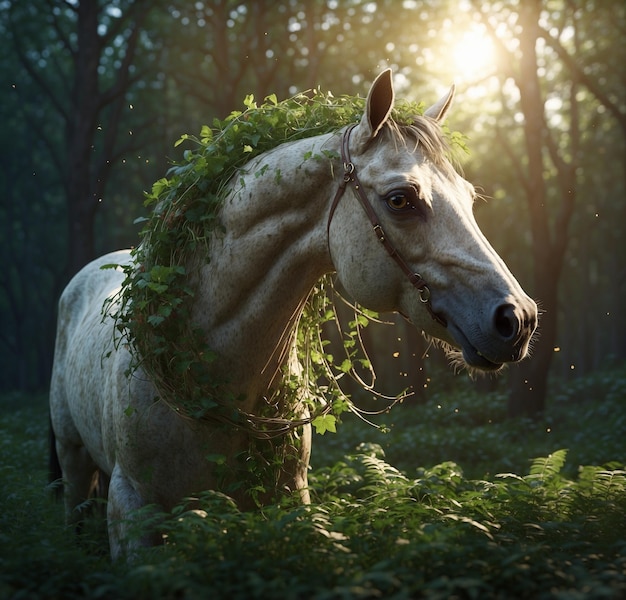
(325, 423)
(219, 459)
(181, 139)
(206, 133)
(155, 320)
(345, 366)
(249, 101)
(159, 288)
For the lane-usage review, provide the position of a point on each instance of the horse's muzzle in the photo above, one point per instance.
(505, 339)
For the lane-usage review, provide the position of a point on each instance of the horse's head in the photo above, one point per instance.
(401, 184)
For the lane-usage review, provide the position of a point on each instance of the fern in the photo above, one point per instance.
(426, 533)
(608, 485)
(378, 474)
(548, 468)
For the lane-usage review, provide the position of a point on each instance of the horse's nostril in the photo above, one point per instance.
(505, 321)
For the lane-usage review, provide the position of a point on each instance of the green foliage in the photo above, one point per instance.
(375, 529)
(472, 428)
(152, 311)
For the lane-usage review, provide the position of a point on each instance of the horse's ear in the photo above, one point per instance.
(378, 107)
(439, 110)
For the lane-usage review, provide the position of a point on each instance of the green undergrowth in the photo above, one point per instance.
(406, 521)
(472, 429)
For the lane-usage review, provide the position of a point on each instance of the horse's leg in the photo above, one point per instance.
(55, 473)
(101, 486)
(123, 500)
(79, 471)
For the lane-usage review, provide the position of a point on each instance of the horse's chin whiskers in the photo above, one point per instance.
(454, 355)
(457, 362)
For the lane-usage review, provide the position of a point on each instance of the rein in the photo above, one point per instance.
(350, 177)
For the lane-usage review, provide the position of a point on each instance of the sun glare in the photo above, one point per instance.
(473, 56)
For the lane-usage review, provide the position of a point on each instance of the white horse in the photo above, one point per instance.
(279, 238)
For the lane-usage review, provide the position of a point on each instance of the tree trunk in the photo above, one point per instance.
(80, 132)
(530, 379)
(85, 177)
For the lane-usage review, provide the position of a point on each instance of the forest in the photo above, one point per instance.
(96, 95)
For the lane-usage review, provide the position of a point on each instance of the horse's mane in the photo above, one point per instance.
(423, 132)
(152, 311)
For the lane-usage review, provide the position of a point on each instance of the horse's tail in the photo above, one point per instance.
(55, 474)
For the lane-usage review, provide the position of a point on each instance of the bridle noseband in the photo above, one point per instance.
(350, 177)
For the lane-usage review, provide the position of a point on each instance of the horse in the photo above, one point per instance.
(382, 208)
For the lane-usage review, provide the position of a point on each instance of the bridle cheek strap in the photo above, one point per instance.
(350, 177)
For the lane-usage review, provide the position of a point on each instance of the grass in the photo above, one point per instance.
(455, 501)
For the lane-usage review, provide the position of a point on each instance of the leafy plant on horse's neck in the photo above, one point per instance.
(152, 310)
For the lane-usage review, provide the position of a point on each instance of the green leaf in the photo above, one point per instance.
(550, 466)
(325, 423)
(219, 459)
(345, 366)
(159, 288)
(181, 139)
(155, 320)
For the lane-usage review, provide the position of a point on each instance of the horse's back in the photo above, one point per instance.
(84, 294)
(81, 372)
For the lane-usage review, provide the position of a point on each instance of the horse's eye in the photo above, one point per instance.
(398, 201)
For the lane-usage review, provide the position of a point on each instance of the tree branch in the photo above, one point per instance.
(34, 74)
(578, 74)
(119, 24)
(515, 161)
(71, 5)
(57, 28)
(122, 82)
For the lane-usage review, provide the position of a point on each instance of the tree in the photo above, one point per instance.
(548, 168)
(30, 216)
(82, 57)
(71, 70)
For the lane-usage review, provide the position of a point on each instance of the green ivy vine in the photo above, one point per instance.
(152, 310)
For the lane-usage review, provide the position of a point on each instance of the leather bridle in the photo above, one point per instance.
(350, 177)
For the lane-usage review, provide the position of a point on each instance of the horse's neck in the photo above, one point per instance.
(263, 266)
